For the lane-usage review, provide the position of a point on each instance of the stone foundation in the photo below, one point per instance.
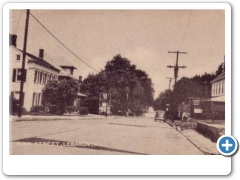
(212, 131)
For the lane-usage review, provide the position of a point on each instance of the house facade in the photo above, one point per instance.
(218, 86)
(38, 71)
(218, 97)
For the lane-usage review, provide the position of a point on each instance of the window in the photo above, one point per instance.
(33, 99)
(18, 75)
(41, 74)
(45, 79)
(35, 76)
(17, 95)
(38, 77)
(219, 88)
(36, 101)
(223, 87)
(18, 57)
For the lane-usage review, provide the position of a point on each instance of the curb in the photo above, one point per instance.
(58, 118)
(179, 129)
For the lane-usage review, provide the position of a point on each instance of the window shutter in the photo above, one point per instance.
(14, 75)
(39, 96)
(33, 99)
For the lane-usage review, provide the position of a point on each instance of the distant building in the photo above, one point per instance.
(218, 87)
(217, 100)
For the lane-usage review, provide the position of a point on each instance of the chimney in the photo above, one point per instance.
(41, 53)
(13, 40)
(80, 78)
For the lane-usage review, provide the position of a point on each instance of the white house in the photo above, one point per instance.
(218, 97)
(37, 73)
(218, 88)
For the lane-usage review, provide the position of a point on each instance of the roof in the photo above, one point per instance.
(40, 61)
(218, 78)
(61, 74)
(61, 61)
(51, 63)
(56, 62)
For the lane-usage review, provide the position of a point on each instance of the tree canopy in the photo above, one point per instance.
(199, 86)
(129, 87)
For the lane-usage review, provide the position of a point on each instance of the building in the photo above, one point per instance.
(38, 71)
(214, 107)
(218, 87)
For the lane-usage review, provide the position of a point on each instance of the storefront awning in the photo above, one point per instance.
(81, 95)
(217, 99)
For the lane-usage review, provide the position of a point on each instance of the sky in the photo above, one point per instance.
(142, 36)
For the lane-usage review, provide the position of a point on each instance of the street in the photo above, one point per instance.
(108, 136)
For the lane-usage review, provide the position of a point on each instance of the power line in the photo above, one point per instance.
(186, 29)
(62, 43)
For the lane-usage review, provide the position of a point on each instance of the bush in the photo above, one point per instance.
(24, 111)
(60, 94)
(83, 111)
(53, 109)
(36, 109)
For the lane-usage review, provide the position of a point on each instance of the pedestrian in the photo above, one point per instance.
(167, 113)
(184, 116)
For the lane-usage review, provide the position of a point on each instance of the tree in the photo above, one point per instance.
(198, 86)
(220, 69)
(129, 87)
(60, 94)
(163, 99)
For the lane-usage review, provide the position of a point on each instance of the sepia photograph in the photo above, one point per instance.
(116, 81)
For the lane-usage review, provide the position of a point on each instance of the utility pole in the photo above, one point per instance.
(23, 71)
(170, 80)
(176, 67)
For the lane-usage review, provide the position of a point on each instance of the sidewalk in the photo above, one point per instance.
(57, 117)
(201, 142)
(72, 116)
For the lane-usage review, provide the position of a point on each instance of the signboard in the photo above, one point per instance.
(197, 110)
(104, 96)
(104, 104)
(196, 102)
